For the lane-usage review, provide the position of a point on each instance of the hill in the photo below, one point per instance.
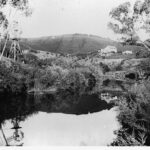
(72, 44)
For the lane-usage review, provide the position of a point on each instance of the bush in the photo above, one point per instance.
(30, 59)
(75, 81)
(134, 117)
(142, 54)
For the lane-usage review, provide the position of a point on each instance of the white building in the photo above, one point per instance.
(127, 52)
(108, 51)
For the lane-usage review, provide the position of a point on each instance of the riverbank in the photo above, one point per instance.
(51, 90)
(39, 75)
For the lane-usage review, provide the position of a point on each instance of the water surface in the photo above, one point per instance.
(50, 120)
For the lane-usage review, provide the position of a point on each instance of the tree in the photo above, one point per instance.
(124, 23)
(13, 5)
(17, 5)
(128, 20)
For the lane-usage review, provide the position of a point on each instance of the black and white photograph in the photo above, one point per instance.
(74, 73)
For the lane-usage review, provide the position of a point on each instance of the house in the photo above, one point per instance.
(108, 51)
(127, 52)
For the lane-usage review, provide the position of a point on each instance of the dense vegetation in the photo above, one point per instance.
(42, 74)
(134, 117)
(134, 107)
(125, 18)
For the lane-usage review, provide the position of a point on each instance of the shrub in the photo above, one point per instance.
(134, 112)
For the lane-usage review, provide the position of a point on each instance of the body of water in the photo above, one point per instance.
(51, 121)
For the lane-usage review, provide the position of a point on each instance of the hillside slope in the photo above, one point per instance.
(72, 44)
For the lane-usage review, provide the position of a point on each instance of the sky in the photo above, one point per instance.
(57, 17)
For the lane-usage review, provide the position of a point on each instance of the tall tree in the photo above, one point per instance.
(128, 20)
(17, 5)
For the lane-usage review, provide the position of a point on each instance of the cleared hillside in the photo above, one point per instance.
(72, 44)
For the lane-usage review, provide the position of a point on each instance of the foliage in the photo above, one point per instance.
(127, 21)
(126, 139)
(30, 59)
(142, 54)
(10, 82)
(19, 5)
(134, 117)
(104, 67)
(3, 21)
(75, 81)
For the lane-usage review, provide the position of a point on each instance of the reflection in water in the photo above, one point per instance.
(15, 108)
(53, 129)
(14, 135)
(65, 129)
(18, 135)
(20, 106)
(39, 120)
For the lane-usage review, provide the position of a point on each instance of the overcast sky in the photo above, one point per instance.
(55, 17)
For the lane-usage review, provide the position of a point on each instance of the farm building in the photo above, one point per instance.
(108, 51)
(127, 52)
